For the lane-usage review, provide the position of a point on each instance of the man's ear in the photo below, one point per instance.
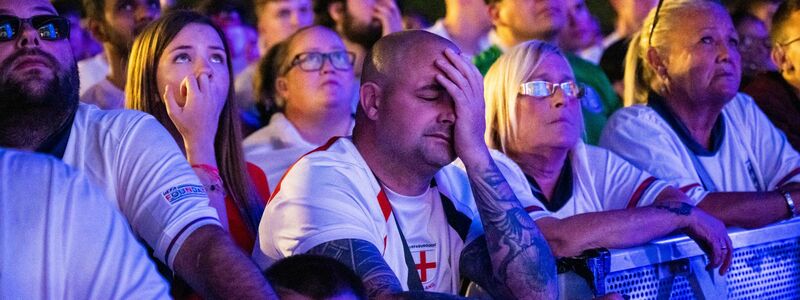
(656, 62)
(370, 99)
(282, 88)
(336, 11)
(778, 56)
(494, 13)
(96, 29)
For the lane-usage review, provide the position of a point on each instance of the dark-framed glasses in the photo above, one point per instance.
(49, 27)
(313, 61)
(541, 88)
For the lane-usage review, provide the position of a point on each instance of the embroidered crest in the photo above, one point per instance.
(178, 193)
(425, 258)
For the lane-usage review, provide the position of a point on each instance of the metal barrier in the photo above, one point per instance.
(766, 265)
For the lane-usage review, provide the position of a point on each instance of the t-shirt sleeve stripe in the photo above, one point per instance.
(533, 208)
(637, 195)
(180, 234)
(689, 187)
(788, 177)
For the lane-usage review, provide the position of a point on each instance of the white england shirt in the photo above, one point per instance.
(143, 173)
(60, 238)
(276, 147)
(752, 156)
(601, 181)
(331, 194)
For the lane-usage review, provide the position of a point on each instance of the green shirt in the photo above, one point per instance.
(597, 105)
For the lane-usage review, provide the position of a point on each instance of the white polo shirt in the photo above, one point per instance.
(331, 194)
(60, 238)
(143, 173)
(752, 155)
(276, 147)
(105, 95)
(92, 70)
(601, 181)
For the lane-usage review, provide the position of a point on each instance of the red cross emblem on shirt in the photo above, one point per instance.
(424, 265)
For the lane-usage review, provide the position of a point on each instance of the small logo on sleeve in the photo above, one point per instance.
(178, 193)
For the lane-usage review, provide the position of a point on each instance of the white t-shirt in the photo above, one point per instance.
(143, 172)
(753, 155)
(276, 147)
(105, 95)
(601, 181)
(60, 238)
(331, 194)
(91, 71)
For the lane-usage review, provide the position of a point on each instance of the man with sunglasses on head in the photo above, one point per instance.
(312, 84)
(778, 93)
(388, 203)
(115, 23)
(129, 154)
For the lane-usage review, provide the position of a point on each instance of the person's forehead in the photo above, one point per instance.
(26, 8)
(318, 38)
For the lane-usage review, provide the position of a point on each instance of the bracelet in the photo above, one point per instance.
(216, 181)
(789, 201)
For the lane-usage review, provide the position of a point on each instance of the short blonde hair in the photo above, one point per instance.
(501, 88)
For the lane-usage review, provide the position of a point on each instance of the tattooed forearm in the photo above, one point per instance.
(366, 261)
(678, 208)
(520, 257)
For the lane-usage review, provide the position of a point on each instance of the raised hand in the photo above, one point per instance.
(464, 83)
(388, 14)
(198, 116)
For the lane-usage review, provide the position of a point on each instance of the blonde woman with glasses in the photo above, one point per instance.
(582, 197)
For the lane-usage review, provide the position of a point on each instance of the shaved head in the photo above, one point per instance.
(399, 54)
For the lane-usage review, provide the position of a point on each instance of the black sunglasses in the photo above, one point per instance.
(49, 27)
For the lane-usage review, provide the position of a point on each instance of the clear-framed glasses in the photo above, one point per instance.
(49, 27)
(313, 61)
(540, 88)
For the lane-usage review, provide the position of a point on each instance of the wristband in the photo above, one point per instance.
(789, 201)
(216, 181)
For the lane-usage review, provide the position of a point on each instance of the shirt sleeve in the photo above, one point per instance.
(519, 184)
(647, 143)
(316, 204)
(157, 190)
(622, 185)
(778, 160)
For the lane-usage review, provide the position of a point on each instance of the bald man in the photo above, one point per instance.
(388, 203)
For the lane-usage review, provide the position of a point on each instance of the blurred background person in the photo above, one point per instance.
(778, 93)
(277, 20)
(310, 77)
(227, 15)
(581, 35)
(467, 24)
(761, 9)
(754, 46)
(695, 130)
(115, 23)
(517, 21)
(81, 40)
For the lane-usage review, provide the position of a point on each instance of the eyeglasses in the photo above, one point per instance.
(49, 27)
(542, 89)
(655, 21)
(313, 61)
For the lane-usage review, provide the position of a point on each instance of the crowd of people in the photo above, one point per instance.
(153, 149)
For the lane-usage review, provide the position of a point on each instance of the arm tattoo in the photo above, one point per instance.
(366, 260)
(678, 208)
(520, 258)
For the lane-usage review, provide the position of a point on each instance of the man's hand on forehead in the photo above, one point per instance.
(462, 80)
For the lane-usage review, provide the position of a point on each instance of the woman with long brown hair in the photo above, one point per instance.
(180, 72)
